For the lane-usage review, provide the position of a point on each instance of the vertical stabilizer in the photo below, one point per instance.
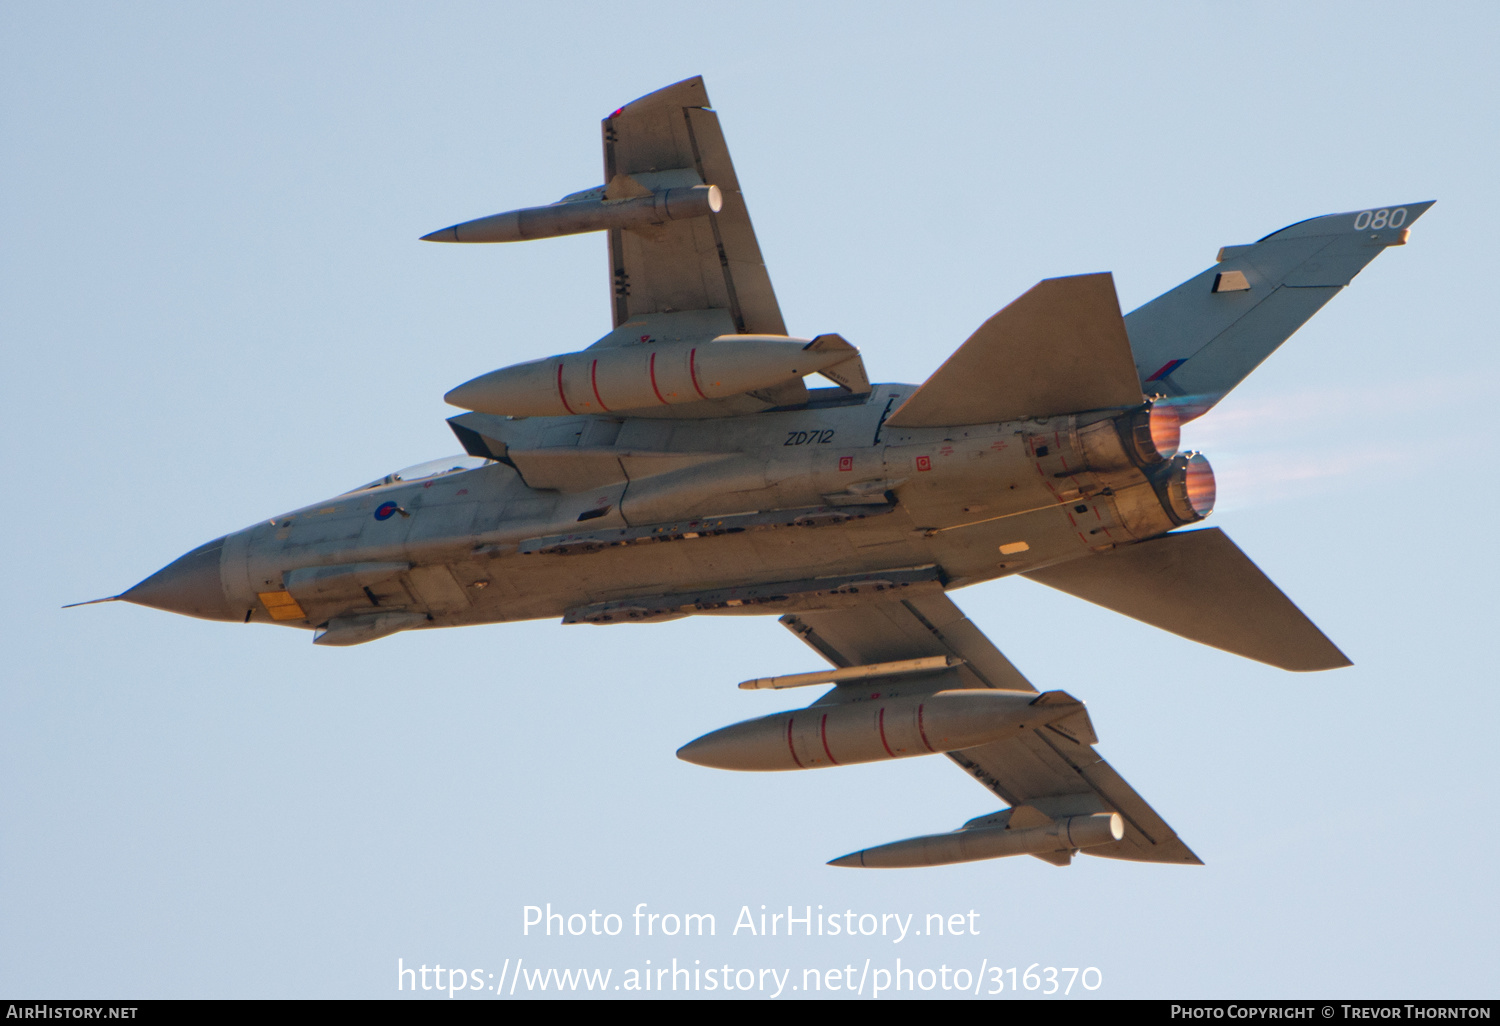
(1198, 341)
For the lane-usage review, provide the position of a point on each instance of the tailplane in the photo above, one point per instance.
(1060, 348)
(1200, 586)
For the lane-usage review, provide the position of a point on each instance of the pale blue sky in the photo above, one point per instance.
(216, 309)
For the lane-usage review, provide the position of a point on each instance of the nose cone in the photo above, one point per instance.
(189, 585)
(471, 394)
(755, 745)
(698, 753)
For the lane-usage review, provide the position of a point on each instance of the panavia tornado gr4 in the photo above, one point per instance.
(681, 465)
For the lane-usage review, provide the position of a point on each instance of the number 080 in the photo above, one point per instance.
(1378, 219)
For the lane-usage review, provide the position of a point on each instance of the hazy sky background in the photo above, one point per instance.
(216, 309)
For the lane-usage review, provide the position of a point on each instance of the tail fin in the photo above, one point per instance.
(1200, 586)
(1198, 341)
(1060, 348)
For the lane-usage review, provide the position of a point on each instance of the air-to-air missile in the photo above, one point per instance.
(593, 210)
(681, 465)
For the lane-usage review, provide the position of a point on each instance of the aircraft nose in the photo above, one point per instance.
(190, 585)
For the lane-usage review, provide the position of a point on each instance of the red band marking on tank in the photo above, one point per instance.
(922, 728)
(693, 371)
(823, 732)
(652, 369)
(883, 742)
(791, 747)
(560, 394)
(594, 383)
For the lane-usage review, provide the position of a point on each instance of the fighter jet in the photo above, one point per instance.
(681, 465)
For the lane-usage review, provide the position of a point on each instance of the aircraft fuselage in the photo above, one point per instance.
(599, 519)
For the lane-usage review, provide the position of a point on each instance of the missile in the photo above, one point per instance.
(645, 375)
(588, 215)
(893, 726)
(1065, 834)
(927, 664)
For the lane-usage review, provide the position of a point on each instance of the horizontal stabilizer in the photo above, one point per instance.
(1200, 586)
(1060, 348)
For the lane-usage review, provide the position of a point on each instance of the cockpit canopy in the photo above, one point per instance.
(422, 471)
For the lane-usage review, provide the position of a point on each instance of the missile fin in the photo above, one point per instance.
(850, 374)
(624, 187)
(1023, 816)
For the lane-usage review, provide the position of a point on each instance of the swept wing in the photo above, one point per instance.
(1053, 770)
(704, 270)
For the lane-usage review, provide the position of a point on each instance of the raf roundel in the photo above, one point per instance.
(385, 511)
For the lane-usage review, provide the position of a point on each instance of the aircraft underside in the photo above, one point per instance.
(680, 465)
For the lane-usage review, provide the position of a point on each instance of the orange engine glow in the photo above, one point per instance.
(1186, 487)
(1199, 485)
(1165, 427)
(1153, 432)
